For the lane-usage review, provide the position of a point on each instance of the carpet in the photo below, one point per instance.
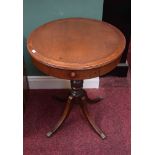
(76, 137)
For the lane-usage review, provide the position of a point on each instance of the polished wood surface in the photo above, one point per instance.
(76, 48)
(90, 120)
(63, 117)
(80, 96)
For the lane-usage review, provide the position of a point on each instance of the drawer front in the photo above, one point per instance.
(76, 74)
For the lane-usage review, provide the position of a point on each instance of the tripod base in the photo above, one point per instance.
(80, 95)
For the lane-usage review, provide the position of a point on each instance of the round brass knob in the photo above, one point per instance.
(73, 74)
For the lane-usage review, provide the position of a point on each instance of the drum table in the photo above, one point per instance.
(76, 49)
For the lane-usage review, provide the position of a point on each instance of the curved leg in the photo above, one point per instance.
(91, 101)
(92, 123)
(63, 117)
(60, 98)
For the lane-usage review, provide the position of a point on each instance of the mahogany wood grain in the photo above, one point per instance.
(76, 48)
(80, 96)
(63, 117)
(90, 120)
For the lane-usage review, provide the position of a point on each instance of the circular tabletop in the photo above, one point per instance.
(75, 44)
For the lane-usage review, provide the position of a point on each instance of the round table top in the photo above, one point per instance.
(76, 44)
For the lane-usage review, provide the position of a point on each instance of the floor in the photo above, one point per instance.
(76, 137)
